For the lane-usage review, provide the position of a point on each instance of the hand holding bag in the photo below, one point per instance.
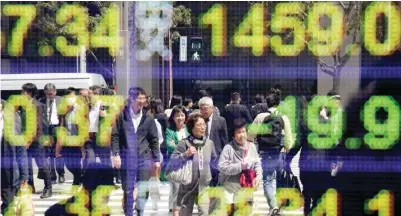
(179, 173)
(247, 176)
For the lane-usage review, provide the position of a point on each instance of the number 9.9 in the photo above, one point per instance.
(381, 135)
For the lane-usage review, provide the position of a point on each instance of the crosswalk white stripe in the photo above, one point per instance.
(41, 205)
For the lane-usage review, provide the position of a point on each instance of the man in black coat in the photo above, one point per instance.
(35, 148)
(14, 165)
(135, 147)
(51, 102)
(235, 110)
(259, 107)
(216, 128)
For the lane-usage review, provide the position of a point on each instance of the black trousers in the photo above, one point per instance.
(71, 157)
(315, 184)
(7, 197)
(37, 152)
(101, 168)
(135, 173)
(51, 154)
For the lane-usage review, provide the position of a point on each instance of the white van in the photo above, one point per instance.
(12, 83)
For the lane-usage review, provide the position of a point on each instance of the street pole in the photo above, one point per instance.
(171, 64)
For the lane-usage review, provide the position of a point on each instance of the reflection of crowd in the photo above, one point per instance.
(228, 149)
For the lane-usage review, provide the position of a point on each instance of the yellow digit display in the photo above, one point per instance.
(80, 203)
(392, 40)
(99, 206)
(253, 23)
(325, 42)
(106, 32)
(292, 194)
(30, 120)
(78, 27)
(79, 119)
(328, 204)
(214, 192)
(242, 199)
(217, 18)
(284, 19)
(115, 105)
(381, 135)
(383, 203)
(19, 32)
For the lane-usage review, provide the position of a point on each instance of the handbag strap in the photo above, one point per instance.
(246, 152)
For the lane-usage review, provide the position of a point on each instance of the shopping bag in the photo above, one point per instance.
(179, 174)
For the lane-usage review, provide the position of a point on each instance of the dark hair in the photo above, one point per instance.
(332, 93)
(192, 119)
(50, 87)
(259, 98)
(187, 101)
(277, 86)
(70, 90)
(107, 91)
(209, 91)
(135, 91)
(176, 109)
(275, 90)
(235, 96)
(176, 100)
(202, 93)
(156, 105)
(238, 123)
(273, 98)
(30, 88)
(97, 90)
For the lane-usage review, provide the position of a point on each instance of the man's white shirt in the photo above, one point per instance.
(54, 117)
(94, 118)
(136, 119)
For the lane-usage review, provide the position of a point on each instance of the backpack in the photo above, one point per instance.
(272, 137)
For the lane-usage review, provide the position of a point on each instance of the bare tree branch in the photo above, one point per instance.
(355, 33)
(342, 4)
(97, 60)
(326, 68)
(346, 57)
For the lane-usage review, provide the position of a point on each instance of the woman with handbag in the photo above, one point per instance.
(176, 132)
(194, 154)
(239, 167)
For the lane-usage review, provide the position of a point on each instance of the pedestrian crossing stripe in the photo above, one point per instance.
(115, 203)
